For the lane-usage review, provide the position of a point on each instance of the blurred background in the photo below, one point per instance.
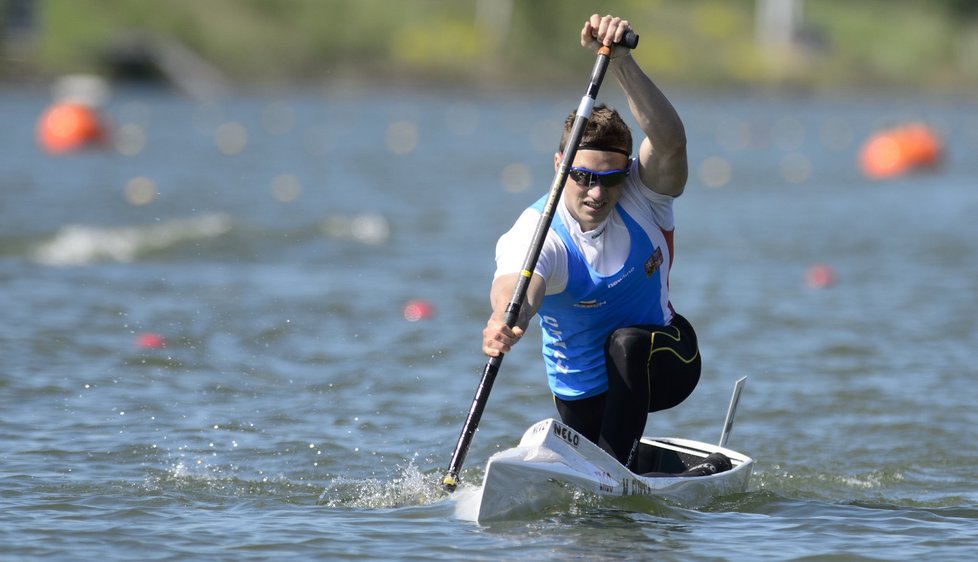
(82, 73)
(811, 45)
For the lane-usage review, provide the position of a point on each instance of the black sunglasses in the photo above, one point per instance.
(585, 177)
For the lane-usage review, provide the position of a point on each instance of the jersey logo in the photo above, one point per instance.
(652, 264)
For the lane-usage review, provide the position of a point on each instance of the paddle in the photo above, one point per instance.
(630, 40)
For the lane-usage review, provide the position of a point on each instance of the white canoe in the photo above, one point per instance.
(552, 463)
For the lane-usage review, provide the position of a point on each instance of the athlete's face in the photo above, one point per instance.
(589, 197)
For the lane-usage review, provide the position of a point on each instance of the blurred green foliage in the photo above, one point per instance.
(526, 43)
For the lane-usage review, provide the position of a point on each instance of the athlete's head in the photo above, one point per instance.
(605, 130)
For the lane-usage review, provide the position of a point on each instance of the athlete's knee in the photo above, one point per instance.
(623, 342)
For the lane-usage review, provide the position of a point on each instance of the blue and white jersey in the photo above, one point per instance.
(598, 281)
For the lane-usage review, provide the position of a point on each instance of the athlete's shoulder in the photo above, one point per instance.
(646, 206)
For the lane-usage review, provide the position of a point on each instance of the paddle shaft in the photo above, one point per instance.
(533, 253)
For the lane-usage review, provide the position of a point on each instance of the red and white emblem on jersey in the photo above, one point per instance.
(652, 264)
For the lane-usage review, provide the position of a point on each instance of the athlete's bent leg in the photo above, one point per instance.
(650, 368)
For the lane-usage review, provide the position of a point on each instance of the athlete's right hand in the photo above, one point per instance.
(498, 338)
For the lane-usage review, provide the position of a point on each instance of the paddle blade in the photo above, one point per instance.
(731, 411)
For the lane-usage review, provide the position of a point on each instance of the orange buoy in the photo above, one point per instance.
(69, 126)
(896, 151)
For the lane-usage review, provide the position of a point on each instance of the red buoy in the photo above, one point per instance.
(150, 340)
(820, 276)
(417, 309)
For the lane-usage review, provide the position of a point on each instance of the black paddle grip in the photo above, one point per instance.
(629, 40)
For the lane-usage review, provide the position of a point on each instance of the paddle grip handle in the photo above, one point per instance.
(629, 40)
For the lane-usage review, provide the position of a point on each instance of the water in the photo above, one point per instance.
(273, 241)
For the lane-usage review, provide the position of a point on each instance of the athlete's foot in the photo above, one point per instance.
(713, 464)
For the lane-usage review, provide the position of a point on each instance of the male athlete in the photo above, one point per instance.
(614, 347)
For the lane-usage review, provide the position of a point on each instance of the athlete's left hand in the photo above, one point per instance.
(607, 30)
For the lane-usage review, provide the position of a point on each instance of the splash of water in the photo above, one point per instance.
(409, 487)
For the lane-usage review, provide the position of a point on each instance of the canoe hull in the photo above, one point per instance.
(553, 462)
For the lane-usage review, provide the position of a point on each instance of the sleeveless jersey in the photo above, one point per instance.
(577, 321)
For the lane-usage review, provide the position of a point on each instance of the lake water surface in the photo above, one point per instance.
(204, 353)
